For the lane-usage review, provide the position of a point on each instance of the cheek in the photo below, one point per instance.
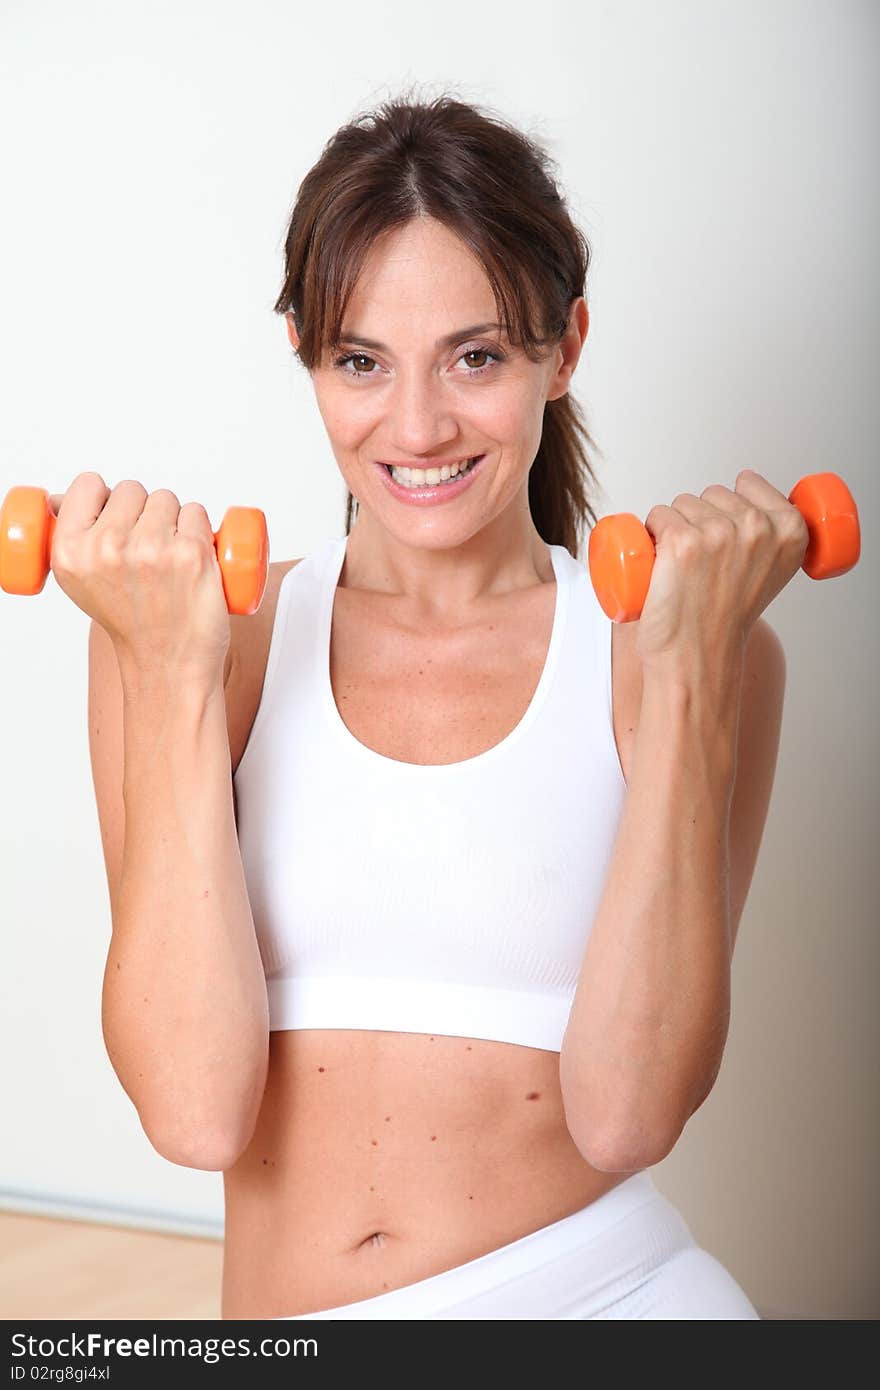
(346, 420)
(505, 415)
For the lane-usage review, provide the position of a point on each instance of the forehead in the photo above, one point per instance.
(421, 266)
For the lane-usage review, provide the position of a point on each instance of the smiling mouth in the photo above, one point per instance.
(430, 477)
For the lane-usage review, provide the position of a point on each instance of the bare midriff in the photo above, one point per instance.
(380, 1159)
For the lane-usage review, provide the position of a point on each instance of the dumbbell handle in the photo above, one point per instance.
(27, 527)
(622, 552)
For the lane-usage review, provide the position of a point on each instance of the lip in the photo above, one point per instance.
(432, 493)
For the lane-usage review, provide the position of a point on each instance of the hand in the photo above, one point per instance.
(146, 570)
(720, 560)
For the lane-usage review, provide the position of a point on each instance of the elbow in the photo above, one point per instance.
(211, 1156)
(213, 1153)
(630, 1148)
(211, 1140)
(629, 1153)
(621, 1148)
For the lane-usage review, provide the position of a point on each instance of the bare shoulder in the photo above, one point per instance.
(246, 661)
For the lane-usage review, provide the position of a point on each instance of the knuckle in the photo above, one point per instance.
(110, 545)
(686, 543)
(187, 553)
(63, 558)
(146, 553)
(718, 532)
(796, 528)
(755, 524)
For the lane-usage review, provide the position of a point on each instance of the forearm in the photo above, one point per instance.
(184, 1007)
(650, 1014)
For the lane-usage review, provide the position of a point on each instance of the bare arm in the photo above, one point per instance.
(184, 1008)
(650, 1016)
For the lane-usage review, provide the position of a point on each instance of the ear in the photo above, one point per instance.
(569, 350)
(291, 331)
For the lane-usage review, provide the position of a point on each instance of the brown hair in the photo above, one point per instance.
(491, 185)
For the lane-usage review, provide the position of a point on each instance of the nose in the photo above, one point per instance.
(420, 420)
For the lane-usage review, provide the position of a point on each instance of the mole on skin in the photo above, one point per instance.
(378, 1237)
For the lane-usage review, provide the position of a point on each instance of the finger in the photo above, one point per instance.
(81, 503)
(123, 506)
(661, 519)
(723, 500)
(161, 511)
(783, 515)
(756, 489)
(697, 512)
(701, 515)
(194, 521)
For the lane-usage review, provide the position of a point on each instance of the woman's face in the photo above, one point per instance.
(419, 390)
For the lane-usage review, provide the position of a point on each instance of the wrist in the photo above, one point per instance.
(693, 718)
(145, 678)
(699, 680)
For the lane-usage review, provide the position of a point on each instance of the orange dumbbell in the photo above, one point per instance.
(27, 525)
(621, 553)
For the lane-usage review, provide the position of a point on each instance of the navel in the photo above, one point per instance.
(375, 1240)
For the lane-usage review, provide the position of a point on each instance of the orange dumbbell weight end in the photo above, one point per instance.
(27, 526)
(621, 551)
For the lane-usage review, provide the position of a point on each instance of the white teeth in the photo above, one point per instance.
(421, 477)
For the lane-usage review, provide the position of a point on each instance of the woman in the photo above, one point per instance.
(463, 973)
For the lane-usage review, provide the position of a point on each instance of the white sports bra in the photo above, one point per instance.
(452, 898)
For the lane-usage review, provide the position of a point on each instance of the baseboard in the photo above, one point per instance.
(73, 1208)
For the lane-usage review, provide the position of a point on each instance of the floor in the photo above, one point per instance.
(78, 1269)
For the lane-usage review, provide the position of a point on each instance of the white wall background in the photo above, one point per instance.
(721, 158)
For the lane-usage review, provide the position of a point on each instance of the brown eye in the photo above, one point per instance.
(342, 363)
(494, 357)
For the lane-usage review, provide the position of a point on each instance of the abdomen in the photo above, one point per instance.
(382, 1158)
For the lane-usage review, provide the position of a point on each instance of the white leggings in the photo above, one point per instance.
(628, 1254)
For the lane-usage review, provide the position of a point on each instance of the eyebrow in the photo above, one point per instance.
(446, 341)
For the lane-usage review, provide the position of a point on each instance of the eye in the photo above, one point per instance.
(479, 352)
(343, 363)
(354, 357)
